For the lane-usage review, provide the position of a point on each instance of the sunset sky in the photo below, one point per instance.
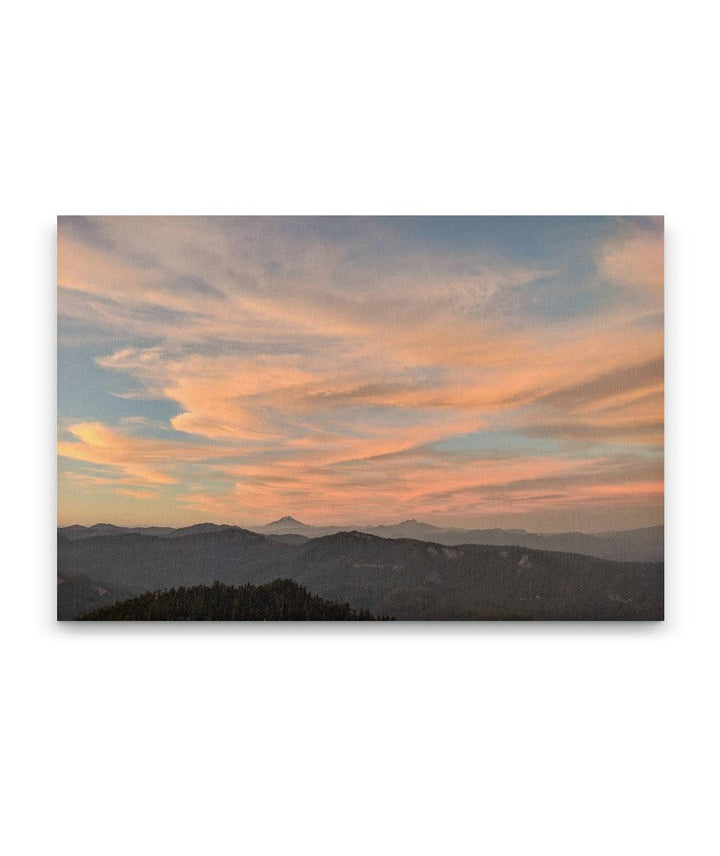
(477, 372)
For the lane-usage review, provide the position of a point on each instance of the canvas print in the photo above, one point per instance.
(360, 418)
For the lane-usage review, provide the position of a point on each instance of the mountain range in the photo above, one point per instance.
(639, 545)
(633, 545)
(397, 577)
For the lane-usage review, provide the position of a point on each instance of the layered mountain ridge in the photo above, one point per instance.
(640, 545)
(398, 577)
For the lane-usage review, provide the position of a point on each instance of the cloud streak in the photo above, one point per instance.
(314, 364)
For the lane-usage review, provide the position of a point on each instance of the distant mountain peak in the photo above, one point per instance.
(286, 519)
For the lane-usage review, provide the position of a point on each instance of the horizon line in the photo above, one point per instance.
(360, 527)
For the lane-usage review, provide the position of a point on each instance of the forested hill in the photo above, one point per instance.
(280, 600)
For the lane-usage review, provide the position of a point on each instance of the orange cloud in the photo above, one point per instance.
(635, 259)
(310, 377)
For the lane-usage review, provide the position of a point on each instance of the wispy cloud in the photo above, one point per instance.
(312, 364)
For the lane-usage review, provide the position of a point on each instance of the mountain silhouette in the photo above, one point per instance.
(400, 578)
(641, 545)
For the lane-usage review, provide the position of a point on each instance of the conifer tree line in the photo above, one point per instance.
(280, 600)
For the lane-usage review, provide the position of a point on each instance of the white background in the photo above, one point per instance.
(425, 739)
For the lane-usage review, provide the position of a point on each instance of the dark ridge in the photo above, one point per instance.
(280, 600)
(104, 530)
(405, 578)
(634, 545)
(288, 539)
